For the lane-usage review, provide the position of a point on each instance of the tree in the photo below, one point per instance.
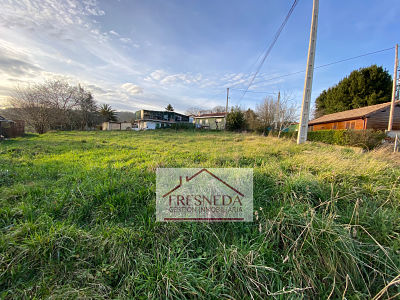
(266, 112)
(108, 113)
(218, 109)
(274, 116)
(169, 108)
(235, 119)
(49, 105)
(126, 116)
(28, 105)
(193, 111)
(54, 104)
(251, 119)
(363, 87)
(87, 115)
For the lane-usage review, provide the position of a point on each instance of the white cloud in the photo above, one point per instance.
(125, 40)
(132, 89)
(114, 32)
(156, 75)
(164, 78)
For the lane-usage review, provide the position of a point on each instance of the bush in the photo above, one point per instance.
(182, 126)
(235, 120)
(366, 139)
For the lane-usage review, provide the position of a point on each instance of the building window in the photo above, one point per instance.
(206, 121)
(347, 125)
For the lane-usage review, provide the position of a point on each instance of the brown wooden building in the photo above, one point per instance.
(368, 117)
(11, 128)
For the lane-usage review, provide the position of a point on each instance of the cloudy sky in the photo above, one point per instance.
(135, 54)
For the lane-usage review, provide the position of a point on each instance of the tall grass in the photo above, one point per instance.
(77, 220)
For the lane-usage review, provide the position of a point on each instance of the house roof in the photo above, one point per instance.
(358, 113)
(2, 119)
(211, 115)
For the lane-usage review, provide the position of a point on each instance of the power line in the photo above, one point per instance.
(250, 91)
(326, 65)
(318, 67)
(277, 34)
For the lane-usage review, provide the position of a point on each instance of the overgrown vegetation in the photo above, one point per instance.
(77, 220)
(366, 139)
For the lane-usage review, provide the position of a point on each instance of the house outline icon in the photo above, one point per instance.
(195, 175)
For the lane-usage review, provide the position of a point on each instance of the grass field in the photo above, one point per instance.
(77, 219)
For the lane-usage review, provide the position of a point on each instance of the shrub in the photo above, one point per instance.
(366, 139)
(182, 126)
(235, 120)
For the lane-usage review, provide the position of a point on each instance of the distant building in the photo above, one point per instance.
(215, 121)
(153, 119)
(368, 117)
(116, 126)
(11, 128)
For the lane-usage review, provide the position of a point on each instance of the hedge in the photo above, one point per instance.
(367, 139)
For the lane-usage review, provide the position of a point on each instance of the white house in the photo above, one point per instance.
(116, 126)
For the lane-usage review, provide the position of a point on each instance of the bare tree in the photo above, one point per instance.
(266, 112)
(193, 110)
(53, 105)
(218, 109)
(274, 115)
(29, 105)
(62, 99)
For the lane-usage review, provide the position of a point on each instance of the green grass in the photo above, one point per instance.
(77, 219)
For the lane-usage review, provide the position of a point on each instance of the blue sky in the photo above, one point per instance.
(145, 54)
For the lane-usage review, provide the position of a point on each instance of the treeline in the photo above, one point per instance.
(363, 87)
(57, 105)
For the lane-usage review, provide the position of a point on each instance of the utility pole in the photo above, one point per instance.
(227, 97)
(277, 111)
(305, 106)
(396, 63)
(226, 108)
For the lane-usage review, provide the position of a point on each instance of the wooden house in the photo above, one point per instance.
(368, 117)
(11, 128)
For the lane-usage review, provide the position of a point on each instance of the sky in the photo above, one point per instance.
(145, 54)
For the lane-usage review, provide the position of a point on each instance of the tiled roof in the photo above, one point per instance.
(351, 114)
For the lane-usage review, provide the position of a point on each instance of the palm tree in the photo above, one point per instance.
(108, 113)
